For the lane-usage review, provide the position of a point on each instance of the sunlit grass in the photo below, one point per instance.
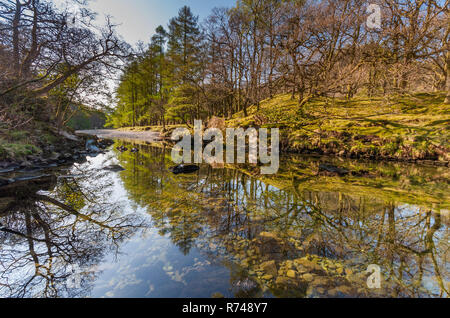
(397, 127)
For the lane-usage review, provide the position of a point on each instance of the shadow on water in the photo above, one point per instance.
(144, 232)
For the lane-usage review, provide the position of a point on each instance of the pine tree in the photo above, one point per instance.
(160, 66)
(184, 53)
(184, 46)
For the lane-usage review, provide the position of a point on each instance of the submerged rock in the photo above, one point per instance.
(333, 170)
(308, 277)
(269, 235)
(291, 274)
(114, 168)
(122, 148)
(270, 268)
(184, 169)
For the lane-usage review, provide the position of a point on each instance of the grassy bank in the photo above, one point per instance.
(415, 127)
(18, 144)
(406, 128)
(31, 142)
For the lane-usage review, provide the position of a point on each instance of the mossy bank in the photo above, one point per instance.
(400, 128)
(37, 145)
(408, 128)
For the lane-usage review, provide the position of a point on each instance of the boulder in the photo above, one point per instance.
(308, 277)
(26, 185)
(181, 169)
(216, 122)
(114, 168)
(269, 268)
(31, 178)
(333, 170)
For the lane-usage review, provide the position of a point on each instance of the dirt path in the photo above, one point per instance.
(149, 136)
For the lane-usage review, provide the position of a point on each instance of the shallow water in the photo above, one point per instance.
(145, 232)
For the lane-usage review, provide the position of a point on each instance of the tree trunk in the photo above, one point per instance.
(447, 85)
(15, 24)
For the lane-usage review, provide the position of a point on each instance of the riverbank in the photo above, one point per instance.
(34, 143)
(149, 136)
(414, 128)
(403, 128)
(26, 155)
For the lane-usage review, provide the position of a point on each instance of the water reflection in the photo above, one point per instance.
(50, 240)
(229, 232)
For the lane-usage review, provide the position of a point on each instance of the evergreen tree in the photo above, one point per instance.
(184, 55)
(184, 46)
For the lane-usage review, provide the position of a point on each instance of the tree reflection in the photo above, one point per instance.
(47, 236)
(296, 234)
(334, 234)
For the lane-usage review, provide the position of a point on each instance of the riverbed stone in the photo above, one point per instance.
(308, 277)
(291, 274)
(269, 235)
(269, 268)
(282, 280)
(344, 289)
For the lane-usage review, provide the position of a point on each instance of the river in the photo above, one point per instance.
(226, 231)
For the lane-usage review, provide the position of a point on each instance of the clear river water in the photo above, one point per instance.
(227, 231)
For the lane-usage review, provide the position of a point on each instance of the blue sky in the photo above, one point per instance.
(139, 18)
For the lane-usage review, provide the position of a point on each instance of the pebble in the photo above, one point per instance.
(269, 268)
(308, 277)
(291, 274)
(281, 280)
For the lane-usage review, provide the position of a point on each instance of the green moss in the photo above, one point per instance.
(18, 135)
(395, 127)
(49, 138)
(17, 150)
